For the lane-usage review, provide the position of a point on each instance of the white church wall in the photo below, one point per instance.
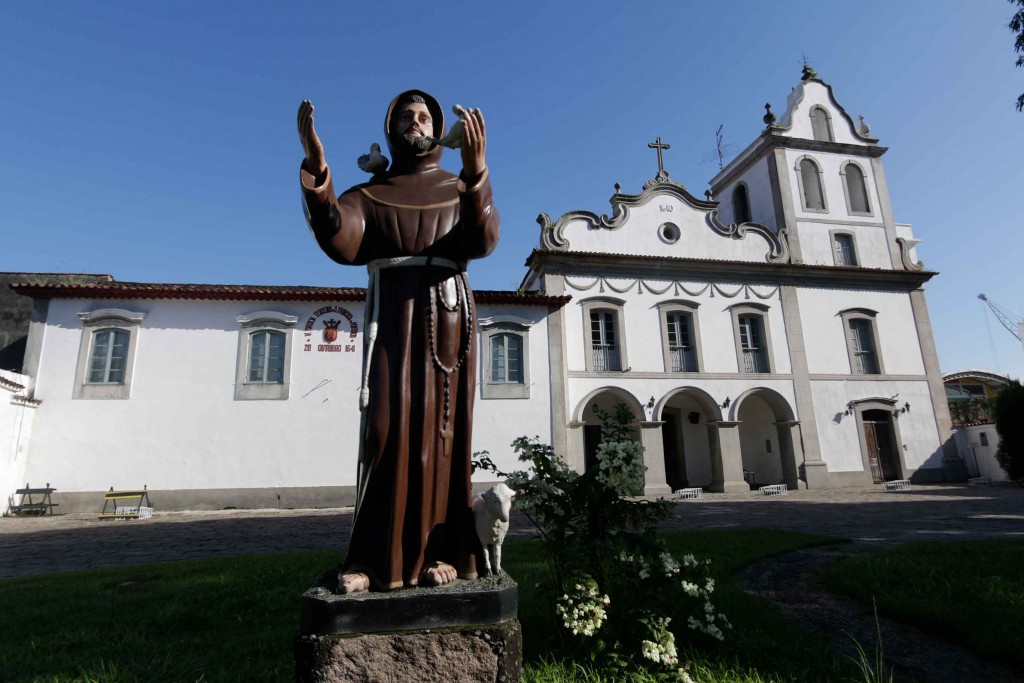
(16, 419)
(825, 334)
(181, 427)
(801, 100)
(817, 244)
(759, 195)
(840, 443)
(643, 388)
(642, 323)
(830, 167)
(640, 236)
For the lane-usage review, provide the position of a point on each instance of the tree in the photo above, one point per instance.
(1017, 26)
(1008, 411)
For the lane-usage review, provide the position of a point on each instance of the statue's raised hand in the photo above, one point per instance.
(315, 162)
(474, 144)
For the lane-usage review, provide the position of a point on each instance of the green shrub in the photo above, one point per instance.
(617, 596)
(1008, 412)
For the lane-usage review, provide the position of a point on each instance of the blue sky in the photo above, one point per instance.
(156, 141)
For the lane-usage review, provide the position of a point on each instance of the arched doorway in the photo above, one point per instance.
(880, 439)
(690, 444)
(588, 416)
(766, 444)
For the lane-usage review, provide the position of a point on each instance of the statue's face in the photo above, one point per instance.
(414, 120)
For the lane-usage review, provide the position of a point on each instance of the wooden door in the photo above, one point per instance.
(874, 453)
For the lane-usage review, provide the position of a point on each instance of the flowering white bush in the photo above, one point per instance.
(614, 585)
(583, 609)
(621, 466)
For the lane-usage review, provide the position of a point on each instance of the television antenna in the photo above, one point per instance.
(722, 151)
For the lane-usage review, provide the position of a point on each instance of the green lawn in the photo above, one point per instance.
(233, 619)
(971, 591)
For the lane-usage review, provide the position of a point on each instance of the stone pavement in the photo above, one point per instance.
(45, 545)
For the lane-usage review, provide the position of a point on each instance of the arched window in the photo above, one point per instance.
(506, 358)
(821, 127)
(266, 357)
(106, 354)
(740, 204)
(753, 337)
(856, 189)
(604, 340)
(109, 357)
(810, 182)
(862, 341)
(679, 334)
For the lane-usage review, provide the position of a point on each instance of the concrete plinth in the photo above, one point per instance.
(465, 631)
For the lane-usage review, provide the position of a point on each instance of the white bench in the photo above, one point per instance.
(774, 490)
(689, 494)
(979, 481)
(898, 485)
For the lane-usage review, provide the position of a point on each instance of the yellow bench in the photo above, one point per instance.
(127, 504)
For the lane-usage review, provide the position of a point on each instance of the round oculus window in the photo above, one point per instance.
(669, 233)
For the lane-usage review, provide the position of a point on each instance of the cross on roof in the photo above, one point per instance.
(659, 145)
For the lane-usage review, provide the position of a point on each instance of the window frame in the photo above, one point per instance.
(833, 236)
(871, 317)
(828, 124)
(616, 307)
(803, 190)
(489, 329)
(249, 325)
(666, 308)
(760, 311)
(93, 323)
(845, 179)
(746, 201)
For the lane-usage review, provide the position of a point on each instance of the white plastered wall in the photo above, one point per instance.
(805, 96)
(643, 323)
(498, 422)
(639, 235)
(869, 242)
(759, 194)
(825, 334)
(181, 428)
(840, 443)
(15, 430)
(974, 452)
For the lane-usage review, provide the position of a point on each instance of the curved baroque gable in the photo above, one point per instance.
(552, 233)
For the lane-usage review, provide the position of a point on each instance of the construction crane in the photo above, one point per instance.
(1016, 328)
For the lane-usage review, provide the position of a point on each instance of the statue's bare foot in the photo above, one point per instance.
(438, 574)
(353, 582)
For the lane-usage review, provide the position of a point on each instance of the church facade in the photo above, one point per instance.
(775, 331)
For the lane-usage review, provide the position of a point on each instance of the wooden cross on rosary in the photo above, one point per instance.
(659, 145)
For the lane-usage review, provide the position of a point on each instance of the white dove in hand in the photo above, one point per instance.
(454, 138)
(374, 162)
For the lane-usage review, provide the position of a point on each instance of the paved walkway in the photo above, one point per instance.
(45, 545)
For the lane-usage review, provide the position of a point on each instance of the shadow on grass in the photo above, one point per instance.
(233, 619)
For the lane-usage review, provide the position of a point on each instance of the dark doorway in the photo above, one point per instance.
(883, 460)
(591, 440)
(675, 463)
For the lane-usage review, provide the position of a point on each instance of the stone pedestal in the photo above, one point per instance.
(465, 631)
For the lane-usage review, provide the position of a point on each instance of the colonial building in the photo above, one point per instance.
(773, 332)
(777, 334)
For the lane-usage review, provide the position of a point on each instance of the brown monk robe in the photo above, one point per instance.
(414, 522)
